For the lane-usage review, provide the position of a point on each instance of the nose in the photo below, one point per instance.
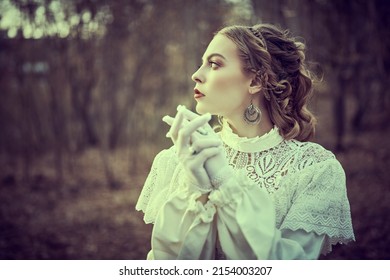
(197, 77)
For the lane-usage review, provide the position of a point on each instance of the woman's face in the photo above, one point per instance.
(221, 86)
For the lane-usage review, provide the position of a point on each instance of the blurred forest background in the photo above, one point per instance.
(84, 85)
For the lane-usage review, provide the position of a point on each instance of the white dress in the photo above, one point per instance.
(286, 200)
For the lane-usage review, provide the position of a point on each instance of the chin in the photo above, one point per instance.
(201, 109)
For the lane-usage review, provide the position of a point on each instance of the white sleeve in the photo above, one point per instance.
(320, 204)
(177, 215)
(184, 229)
(158, 185)
(246, 226)
(243, 216)
(187, 229)
(245, 220)
(297, 244)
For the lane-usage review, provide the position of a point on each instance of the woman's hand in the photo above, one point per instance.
(199, 148)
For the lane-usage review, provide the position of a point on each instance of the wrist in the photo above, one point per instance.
(222, 176)
(202, 188)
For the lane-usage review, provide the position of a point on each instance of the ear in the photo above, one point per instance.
(255, 85)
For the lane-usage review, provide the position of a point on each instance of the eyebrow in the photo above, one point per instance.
(215, 54)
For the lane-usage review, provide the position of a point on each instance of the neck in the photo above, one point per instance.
(243, 129)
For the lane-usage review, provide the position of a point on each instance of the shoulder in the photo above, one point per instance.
(311, 154)
(316, 167)
(167, 153)
(164, 163)
(165, 156)
(156, 187)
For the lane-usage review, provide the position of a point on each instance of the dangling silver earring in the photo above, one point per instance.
(252, 114)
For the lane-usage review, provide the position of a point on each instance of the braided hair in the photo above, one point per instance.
(277, 60)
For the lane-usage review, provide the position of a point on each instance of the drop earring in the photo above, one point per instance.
(252, 114)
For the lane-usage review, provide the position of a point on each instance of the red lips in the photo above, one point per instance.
(198, 94)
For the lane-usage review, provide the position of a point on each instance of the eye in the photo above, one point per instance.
(214, 65)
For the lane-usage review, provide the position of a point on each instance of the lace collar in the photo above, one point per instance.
(250, 145)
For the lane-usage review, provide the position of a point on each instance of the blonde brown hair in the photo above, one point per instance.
(277, 60)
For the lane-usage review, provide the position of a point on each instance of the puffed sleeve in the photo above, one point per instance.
(296, 244)
(182, 225)
(184, 228)
(319, 216)
(246, 225)
(245, 220)
(158, 184)
(241, 216)
(320, 204)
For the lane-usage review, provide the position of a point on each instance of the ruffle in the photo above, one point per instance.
(205, 211)
(305, 182)
(160, 184)
(333, 236)
(319, 203)
(250, 145)
(228, 192)
(243, 206)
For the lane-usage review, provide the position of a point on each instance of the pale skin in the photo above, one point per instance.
(227, 91)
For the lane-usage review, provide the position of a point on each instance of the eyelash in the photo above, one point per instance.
(212, 64)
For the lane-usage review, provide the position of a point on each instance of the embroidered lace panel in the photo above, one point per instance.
(305, 181)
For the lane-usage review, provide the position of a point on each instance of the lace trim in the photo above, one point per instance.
(333, 237)
(316, 201)
(268, 168)
(255, 144)
(157, 187)
(305, 181)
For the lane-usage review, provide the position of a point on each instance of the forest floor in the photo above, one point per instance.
(85, 219)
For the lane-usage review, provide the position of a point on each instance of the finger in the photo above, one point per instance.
(201, 144)
(195, 124)
(189, 115)
(185, 133)
(176, 125)
(200, 158)
(168, 120)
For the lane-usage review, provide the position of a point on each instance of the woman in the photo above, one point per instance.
(257, 189)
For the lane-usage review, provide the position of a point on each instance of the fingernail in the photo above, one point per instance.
(165, 118)
(168, 135)
(179, 107)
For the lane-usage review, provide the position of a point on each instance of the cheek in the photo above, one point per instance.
(228, 83)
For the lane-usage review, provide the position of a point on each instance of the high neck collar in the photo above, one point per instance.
(250, 145)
